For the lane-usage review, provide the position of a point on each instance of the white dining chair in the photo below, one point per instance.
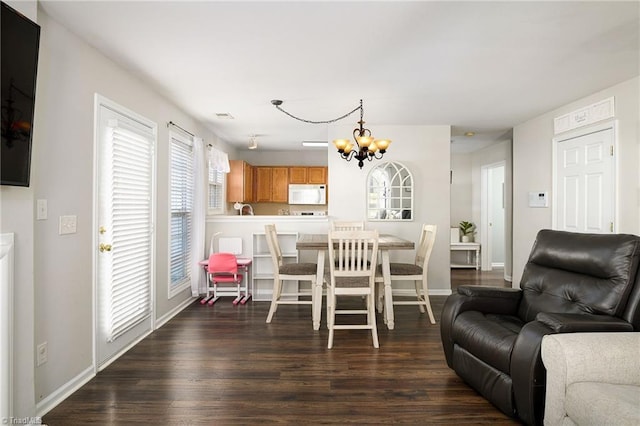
(342, 225)
(352, 260)
(416, 272)
(345, 225)
(290, 272)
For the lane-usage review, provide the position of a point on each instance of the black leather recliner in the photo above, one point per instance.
(571, 283)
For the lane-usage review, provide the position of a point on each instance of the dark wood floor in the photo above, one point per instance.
(223, 365)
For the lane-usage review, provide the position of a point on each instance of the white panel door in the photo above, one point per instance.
(124, 235)
(585, 183)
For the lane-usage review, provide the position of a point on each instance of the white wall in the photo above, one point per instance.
(461, 188)
(425, 151)
(259, 157)
(16, 207)
(70, 73)
(532, 165)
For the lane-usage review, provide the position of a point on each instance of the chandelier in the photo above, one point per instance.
(364, 147)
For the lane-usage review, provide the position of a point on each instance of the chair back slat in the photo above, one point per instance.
(343, 225)
(425, 245)
(353, 253)
(274, 248)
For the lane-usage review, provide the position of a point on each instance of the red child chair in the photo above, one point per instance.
(223, 269)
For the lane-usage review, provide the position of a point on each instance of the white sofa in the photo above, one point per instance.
(592, 379)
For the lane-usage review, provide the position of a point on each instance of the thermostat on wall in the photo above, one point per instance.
(538, 199)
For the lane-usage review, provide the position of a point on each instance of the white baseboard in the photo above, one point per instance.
(64, 391)
(175, 311)
(409, 292)
(440, 292)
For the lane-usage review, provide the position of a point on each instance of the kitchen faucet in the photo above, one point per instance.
(241, 207)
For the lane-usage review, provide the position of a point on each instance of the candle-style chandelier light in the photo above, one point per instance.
(366, 147)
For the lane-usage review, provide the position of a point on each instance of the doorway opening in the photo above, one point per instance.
(492, 216)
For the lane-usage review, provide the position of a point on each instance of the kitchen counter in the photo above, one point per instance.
(246, 226)
(267, 218)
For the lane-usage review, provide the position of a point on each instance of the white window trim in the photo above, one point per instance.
(173, 290)
(223, 194)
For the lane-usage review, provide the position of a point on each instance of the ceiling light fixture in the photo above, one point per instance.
(253, 144)
(315, 144)
(366, 146)
(224, 116)
(469, 134)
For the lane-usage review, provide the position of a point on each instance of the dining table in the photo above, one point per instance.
(386, 243)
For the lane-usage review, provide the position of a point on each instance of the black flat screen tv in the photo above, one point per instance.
(20, 41)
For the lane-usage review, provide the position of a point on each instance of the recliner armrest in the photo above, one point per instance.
(573, 323)
(495, 300)
(512, 294)
(586, 357)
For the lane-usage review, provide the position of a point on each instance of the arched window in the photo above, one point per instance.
(390, 192)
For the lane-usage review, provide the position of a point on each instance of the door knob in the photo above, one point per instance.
(104, 247)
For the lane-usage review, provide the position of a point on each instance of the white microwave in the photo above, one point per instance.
(307, 194)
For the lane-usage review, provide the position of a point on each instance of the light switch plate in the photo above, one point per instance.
(42, 353)
(41, 209)
(68, 224)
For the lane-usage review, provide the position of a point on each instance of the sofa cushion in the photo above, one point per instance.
(596, 403)
(489, 337)
(579, 273)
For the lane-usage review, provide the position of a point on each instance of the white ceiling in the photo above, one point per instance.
(478, 66)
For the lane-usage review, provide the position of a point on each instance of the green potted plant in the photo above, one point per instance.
(468, 230)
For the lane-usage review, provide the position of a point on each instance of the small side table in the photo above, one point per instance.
(473, 255)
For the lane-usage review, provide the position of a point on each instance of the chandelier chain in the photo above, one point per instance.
(323, 121)
(365, 147)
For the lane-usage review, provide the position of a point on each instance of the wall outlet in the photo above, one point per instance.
(42, 353)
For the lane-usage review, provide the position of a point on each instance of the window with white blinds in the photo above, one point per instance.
(182, 182)
(130, 187)
(216, 191)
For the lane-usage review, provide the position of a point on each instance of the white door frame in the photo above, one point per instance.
(610, 124)
(485, 233)
(6, 325)
(103, 101)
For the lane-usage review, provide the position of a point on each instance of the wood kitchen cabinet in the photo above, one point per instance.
(315, 175)
(272, 184)
(280, 182)
(240, 182)
(263, 184)
(298, 174)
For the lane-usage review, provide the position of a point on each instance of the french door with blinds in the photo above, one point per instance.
(124, 236)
